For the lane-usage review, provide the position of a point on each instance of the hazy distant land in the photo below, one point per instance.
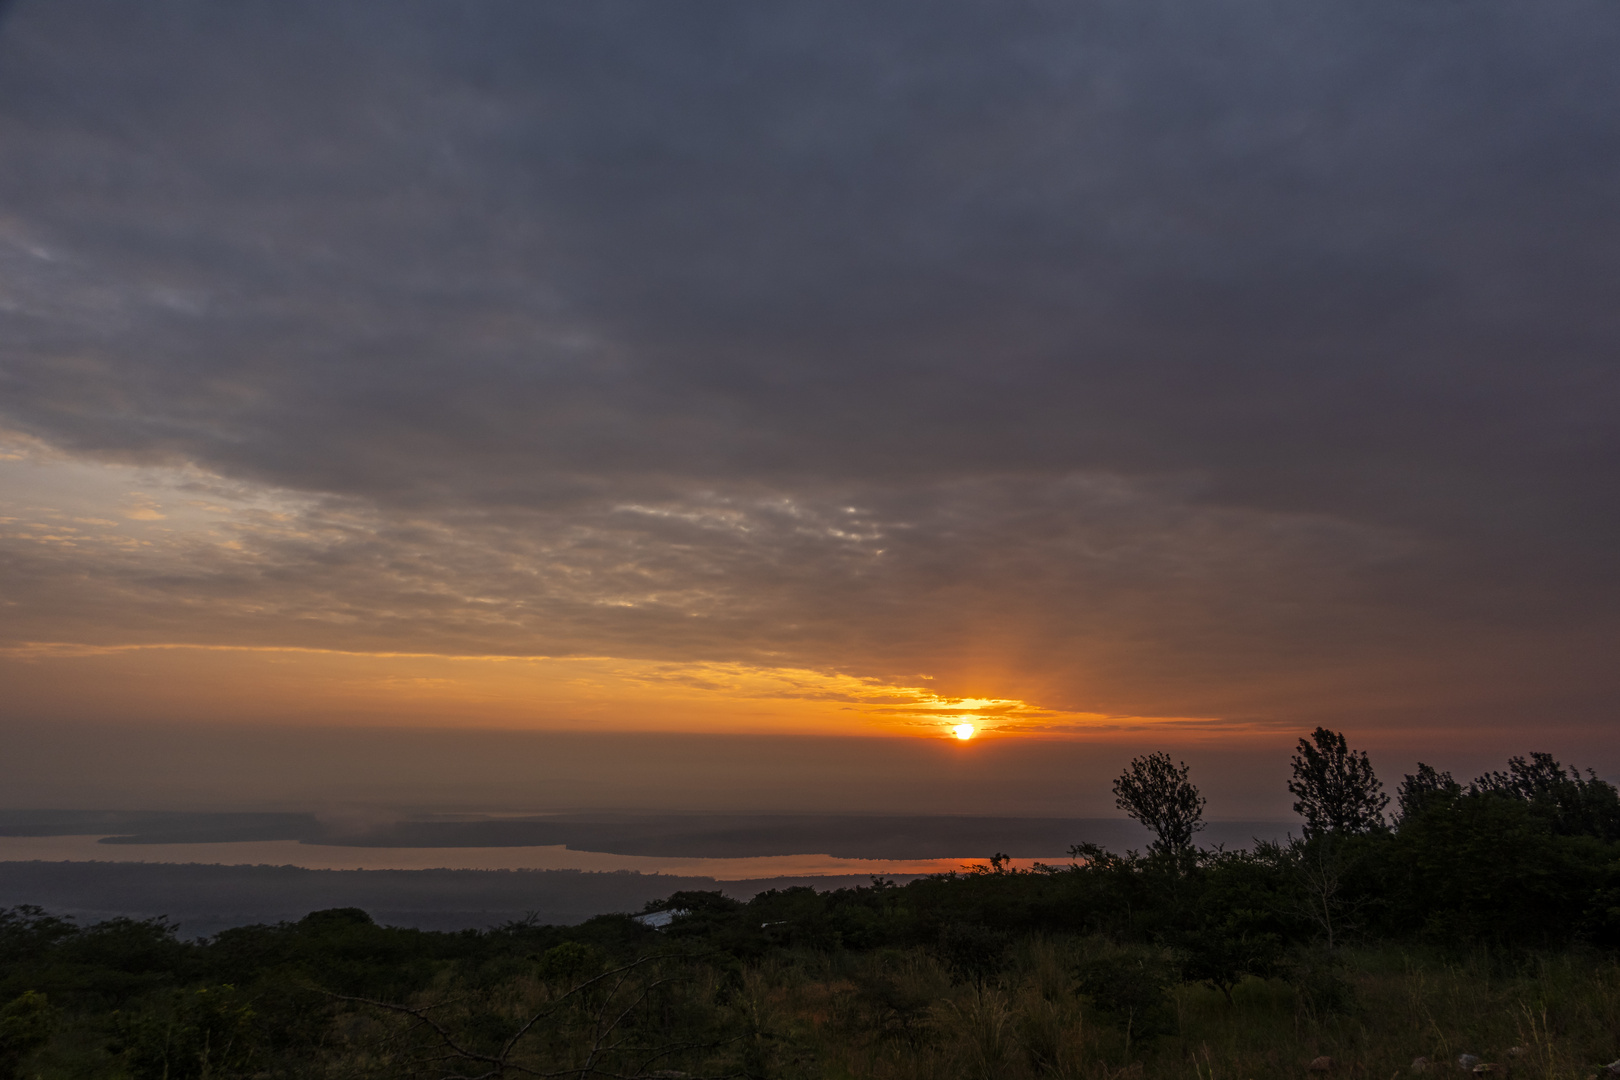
(206, 897)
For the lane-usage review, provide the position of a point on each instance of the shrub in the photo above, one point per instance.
(25, 1025)
(1132, 989)
(190, 1035)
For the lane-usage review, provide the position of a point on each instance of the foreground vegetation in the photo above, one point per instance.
(1484, 920)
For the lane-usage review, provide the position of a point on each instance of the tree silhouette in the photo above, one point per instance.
(1336, 787)
(1574, 805)
(1158, 794)
(1423, 788)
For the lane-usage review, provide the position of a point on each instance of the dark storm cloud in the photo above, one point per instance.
(1325, 290)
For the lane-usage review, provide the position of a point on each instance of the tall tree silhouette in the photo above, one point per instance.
(1158, 794)
(1336, 787)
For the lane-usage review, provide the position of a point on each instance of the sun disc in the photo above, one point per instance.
(963, 731)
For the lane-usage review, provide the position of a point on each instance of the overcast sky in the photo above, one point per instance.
(1248, 364)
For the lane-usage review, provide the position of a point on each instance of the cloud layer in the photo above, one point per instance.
(1162, 359)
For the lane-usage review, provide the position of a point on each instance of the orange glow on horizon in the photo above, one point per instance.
(302, 685)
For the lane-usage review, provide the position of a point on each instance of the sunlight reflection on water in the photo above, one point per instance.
(325, 857)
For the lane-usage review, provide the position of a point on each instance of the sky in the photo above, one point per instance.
(627, 376)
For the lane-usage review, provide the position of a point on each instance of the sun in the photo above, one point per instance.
(963, 731)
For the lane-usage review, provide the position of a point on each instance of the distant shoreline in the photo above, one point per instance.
(204, 899)
(306, 856)
(679, 842)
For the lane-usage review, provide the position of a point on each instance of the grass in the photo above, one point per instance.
(898, 1016)
(902, 1014)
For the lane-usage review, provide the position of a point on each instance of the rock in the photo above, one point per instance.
(1420, 1064)
(1490, 1068)
(1321, 1064)
(1466, 1062)
(1613, 1067)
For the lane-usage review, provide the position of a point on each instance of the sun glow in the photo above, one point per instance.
(263, 683)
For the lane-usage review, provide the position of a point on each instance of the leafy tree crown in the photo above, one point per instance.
(1336, 787)
(1424, 788)
(1574, 805)
(1156, 792)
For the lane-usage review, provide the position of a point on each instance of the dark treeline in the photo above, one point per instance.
(1514, 866)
